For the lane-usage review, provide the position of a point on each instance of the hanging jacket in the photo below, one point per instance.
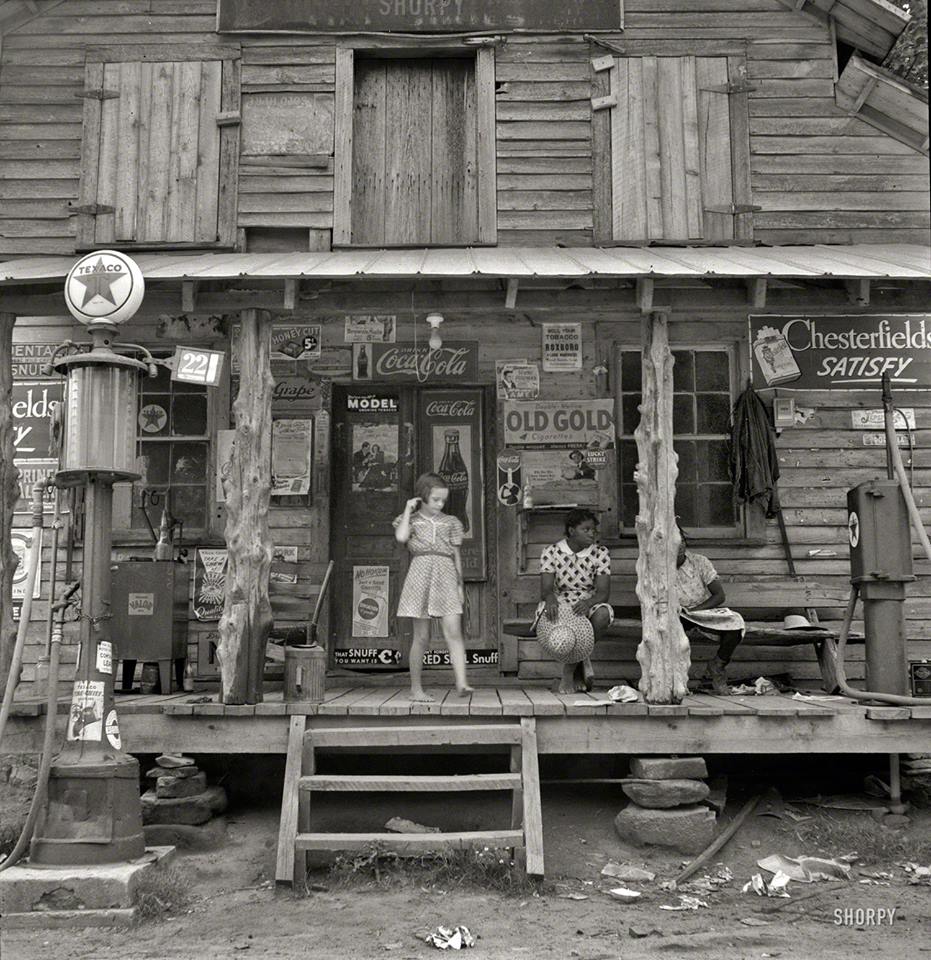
(754, 463)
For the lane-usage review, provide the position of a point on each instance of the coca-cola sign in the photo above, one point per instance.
(450, 408)
(455, 361)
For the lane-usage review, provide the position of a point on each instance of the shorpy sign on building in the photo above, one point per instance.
(451, 445)
(413, 16)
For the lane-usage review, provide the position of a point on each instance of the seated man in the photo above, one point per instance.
(701, 603)
(576, 571)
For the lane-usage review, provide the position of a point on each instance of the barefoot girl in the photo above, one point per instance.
(434, 586)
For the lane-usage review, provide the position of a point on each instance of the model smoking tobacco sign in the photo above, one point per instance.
(840, 352)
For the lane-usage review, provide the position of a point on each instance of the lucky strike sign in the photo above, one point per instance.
(559, 423)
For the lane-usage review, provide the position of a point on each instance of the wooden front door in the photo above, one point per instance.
(383, 438)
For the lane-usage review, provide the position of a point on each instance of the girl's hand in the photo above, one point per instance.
(551, 609)
(412, 505)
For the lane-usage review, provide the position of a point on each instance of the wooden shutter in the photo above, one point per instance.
(679, 150)
(159, 153)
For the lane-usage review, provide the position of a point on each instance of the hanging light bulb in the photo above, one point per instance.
(434, 320)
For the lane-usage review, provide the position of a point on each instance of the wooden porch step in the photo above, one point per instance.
(409, 842)
(398, 736)
(522, 780)
(362, 783)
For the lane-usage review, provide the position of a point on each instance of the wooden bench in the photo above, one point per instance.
(764, 605)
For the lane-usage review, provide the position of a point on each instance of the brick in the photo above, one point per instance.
(668, 768)
(662, 794)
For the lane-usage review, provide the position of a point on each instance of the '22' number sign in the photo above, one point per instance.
(194, 365)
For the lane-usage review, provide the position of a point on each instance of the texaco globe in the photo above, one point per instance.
(104, 287)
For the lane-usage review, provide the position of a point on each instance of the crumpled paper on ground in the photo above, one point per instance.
(445, 939)
(624, 894)
(806, 869)
(686, 902)
(917, 873)
(627, 871)
(624, 694)
(774, 888)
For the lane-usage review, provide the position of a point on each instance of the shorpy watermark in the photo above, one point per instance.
(864, 916)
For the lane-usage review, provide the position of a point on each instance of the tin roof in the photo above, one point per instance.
(859, 261)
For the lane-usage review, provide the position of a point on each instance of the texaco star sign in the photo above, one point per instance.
(104, 287)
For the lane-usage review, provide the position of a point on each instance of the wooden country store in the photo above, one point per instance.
(552, 191)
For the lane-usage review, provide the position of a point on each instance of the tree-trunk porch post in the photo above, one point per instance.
(247, 615)
(663, 653)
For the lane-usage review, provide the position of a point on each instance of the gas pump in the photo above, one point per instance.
(880, 566)
(91, 813)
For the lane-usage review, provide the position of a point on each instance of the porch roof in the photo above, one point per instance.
(856, 261)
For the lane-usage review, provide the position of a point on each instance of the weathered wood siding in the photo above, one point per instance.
(817, 174)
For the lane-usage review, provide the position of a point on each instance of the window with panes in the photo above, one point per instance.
(703, 392)
(174, 447)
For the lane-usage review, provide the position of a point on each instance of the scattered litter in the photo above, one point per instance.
(628, 872)
(400, 825)
(775, 888)
(624, 694)
(573, 896)
(639, 933)
(445, 939)
(806, 869)
(764, 686)
(624, 894)
(667, 885)
(878, 875)
(709, 883)
(392, 946)
(686, 902)
(817, 696)
(917, 874)
(754, 922)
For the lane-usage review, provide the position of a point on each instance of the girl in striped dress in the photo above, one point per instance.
(434, 585)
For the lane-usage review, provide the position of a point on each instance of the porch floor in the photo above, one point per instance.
(566, 723)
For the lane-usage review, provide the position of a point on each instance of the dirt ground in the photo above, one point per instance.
(235, 911)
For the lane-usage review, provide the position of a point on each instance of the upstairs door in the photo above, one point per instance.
(414, 152)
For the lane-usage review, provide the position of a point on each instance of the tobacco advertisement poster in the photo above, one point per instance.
(559, 423)
(562, 347)
(517, 380)
(85, 719)
(451, 430)
(296, 341)
(33, 403)
(543, 468)
(370, 601)
(292, 456)
(209, 582)
(797, 352)
(381, 328)
(22, 544)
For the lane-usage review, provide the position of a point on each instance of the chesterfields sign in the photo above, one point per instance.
(798, 352)
(415, 16)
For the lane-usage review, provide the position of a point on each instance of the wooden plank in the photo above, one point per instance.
(271, 708)
(181, 224)
(515, 702)
(408, 201)
(667, 710)
(653, 184)
(370, 704)
(417, 736)
(533, 811)
(397, 706)
(90, 153)
(342, 167)
(888, 713)
(545, 702)
(485, 703)
(287, 826)
(671, 101)
(628, 163)
(127, 185)
(767, 706)
(368, 152)
(714, 138)
(433, 783)
(151, 225)
(601, 158)
(154, 52)
(339, 705)
(581, 704)
(730, 705)
(108, 159)
(455, 705)
(408, 842)
(699, 705)
(694, 203)
(485, 145)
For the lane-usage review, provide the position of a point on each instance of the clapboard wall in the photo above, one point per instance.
(817, 174)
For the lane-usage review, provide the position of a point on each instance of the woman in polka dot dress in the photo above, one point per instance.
(434, 585)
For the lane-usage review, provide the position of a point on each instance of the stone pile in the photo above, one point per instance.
(180, 794)
(667, 804)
